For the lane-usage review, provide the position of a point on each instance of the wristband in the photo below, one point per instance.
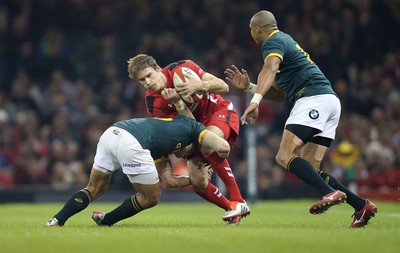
(206, 86)
(180, 106)
(256, 98)
(251, 89)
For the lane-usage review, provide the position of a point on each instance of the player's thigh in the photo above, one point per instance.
(226, 119)
(105, 158)
(290, 144)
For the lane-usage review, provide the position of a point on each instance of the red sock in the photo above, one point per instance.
(212, 194)
(223, 169)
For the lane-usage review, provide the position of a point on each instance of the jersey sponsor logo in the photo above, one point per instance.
(132, 165)
(314, 114)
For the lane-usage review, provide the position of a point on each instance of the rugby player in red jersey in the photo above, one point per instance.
(216, 113)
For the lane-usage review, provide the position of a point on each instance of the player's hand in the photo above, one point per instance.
(210, 173)
(251, 113)
(170, 94)
(239, 79)
(206, 166)
(189, 88)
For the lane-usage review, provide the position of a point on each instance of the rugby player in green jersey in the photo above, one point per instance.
(136, 145)
(309, 130)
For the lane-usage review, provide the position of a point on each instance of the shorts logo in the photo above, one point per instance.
(314, 114)
(131, 165)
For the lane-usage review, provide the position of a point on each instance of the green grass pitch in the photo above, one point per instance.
(273, 226)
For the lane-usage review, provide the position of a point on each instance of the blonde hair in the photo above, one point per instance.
(140, 62)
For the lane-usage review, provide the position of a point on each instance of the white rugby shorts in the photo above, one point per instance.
(321, 112)
(117, 148)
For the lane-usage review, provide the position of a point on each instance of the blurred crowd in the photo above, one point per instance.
(63, 80)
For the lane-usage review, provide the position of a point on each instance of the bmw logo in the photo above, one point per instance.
(314, 114)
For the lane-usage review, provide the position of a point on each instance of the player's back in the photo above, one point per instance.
(298, 75)
(163, 135)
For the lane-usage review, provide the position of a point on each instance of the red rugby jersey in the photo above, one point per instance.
(157, 106)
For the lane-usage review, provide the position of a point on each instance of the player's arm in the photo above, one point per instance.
(170, 94)
(266, 77)
(164, 169)
(240, 79)
(212, 141)
(213, 84)
(208, 83)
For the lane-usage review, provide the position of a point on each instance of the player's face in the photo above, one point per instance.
(254, 31)
(151, 79)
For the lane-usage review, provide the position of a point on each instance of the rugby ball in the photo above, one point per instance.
(181, 75)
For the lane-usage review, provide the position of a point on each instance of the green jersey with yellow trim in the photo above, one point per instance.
(298, 76)
(163, 136)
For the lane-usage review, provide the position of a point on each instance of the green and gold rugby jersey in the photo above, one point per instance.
(162, 136)
(298, 75)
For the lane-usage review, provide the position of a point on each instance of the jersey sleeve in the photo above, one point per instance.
(201, 135)
(273, 47)
(199, 130)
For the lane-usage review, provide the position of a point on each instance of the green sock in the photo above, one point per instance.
(355, 201)
(127, 209)
(76, 203)
(305, 171)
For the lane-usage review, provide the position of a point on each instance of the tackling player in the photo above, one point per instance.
(135, 145)
(216, 113)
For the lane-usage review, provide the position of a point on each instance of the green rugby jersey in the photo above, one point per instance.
(298, 75)
(162, 136)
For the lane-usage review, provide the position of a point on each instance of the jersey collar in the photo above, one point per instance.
(273, 33)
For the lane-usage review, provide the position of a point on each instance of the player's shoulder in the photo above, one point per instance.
(177, 64)
(182, 118)
(287, 38)
(185, 120)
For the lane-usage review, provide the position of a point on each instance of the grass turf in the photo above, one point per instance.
(273, 226)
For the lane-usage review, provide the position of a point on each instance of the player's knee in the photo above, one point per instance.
(282, 159)
(96, 190)
(151, 200)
